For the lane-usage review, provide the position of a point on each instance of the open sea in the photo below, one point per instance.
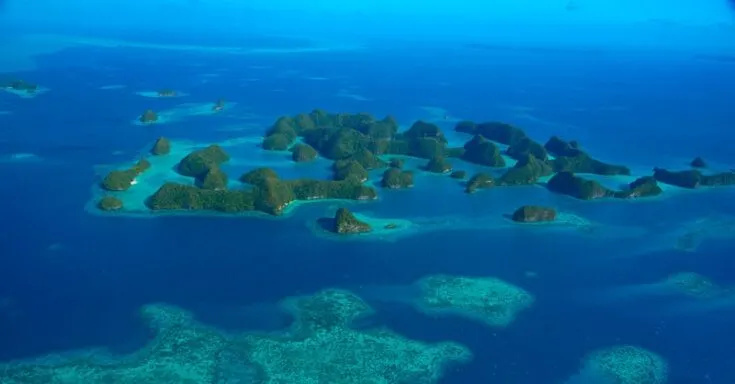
(74, 279)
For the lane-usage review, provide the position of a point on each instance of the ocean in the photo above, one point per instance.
(73, 278)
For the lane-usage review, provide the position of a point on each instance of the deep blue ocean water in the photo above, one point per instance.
(72, 280)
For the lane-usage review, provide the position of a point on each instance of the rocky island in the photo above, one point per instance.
(148, 117)
(395, 178)
(533, 214)
(346, 223)
(360, 145)
(121, 180)
(161, 147)
(19, 86)
(693, 178)
(110, 203)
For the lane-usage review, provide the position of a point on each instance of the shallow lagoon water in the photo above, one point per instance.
(75, 280)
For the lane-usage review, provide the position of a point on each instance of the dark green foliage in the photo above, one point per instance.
(483, 152)
(465, 127)
(526, 146)
(642, 187)
(303, 152)
(569, 158)
(479, 181)
(499, 132)
(533, 214)
(438, 165)
(459, 175)
(396, 163)
(566, 183)
(693, 178)
(110, 203)
(162, 146)
(276, 142)
(121, 180)
(258, 176)
(172, 196)
(148, 117)
(364, 157)
(213, 179)
(349, 170)
(698, 162)
(421, 130)
(583, 163)
(198, 163)
(394, 178)
(345, 223)
(558, 147)
(526, 171)
(20, 85)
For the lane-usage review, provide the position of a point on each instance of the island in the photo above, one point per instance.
(121, 180)
(148, 117)
(361, 147)
(527, 170)
(219, 105)
(303, 152)
(395, 163)
(346, 223)
(693, 178)
(110, 203)
(567, 183)
(481, 151)
(394, 178)
(183, 350)
(161, 147)
(438, 165)
(20, 86)
(698, 162)
(479, 181)
(268, 193)
(459, 175)
(534, 214)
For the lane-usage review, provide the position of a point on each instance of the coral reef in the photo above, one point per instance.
(627, 364)
(319, 347)
(486, 299)
(167, 93)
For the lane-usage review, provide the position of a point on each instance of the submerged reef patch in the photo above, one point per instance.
(320, 346)
(489, 300)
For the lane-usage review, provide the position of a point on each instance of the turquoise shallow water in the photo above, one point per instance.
(74, 280)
